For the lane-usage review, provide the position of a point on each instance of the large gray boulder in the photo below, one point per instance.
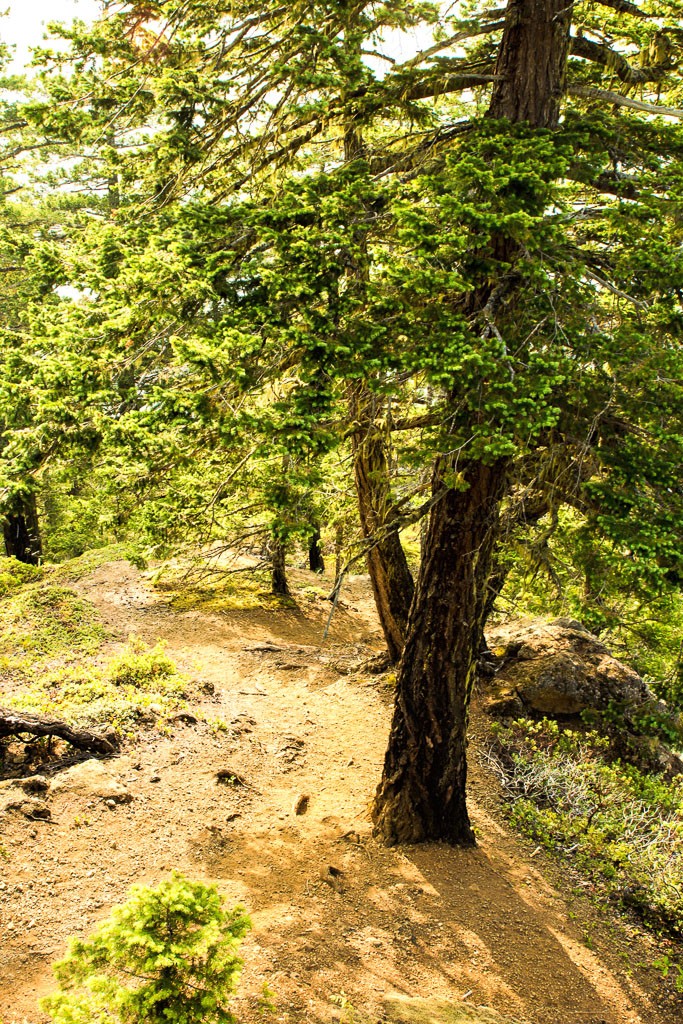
(558, 669)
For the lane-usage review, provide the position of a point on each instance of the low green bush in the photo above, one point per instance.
(166, 956)
(14, 574)
(620, 826)
(140, 666)
(138, 684)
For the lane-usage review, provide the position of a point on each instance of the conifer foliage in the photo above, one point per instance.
(166, 956)
(463, 265)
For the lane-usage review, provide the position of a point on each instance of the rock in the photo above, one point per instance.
(184, 718)
(332, 875)
(670, 764)
(301, 805)
(230, 777)
(91, 779)
(36, 809)
(560, 669)
(11, 800)
(34, 784)
(290, 751)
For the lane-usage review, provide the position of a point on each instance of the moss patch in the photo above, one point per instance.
(44, 621)
(218, 591)
(77, 568)
(401, 1010)
(15, 574)
(141, 685)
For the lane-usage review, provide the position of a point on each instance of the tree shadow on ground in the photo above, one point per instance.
(423, 921)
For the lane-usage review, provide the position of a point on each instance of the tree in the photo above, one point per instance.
(422, 793)
(492, 276)
(167, 954)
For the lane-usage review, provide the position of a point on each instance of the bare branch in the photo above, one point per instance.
(606, 96)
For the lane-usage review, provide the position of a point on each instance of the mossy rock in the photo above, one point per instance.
(402, 1010)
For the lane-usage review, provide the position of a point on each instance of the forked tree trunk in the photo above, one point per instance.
(422, 792)
(21, 532)
(390, 576)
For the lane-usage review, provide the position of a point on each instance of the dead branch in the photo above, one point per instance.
(15, 724)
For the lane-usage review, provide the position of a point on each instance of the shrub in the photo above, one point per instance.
(166, 956)
(14, 573)
(140, 666)
(620, 826)
(139, 683)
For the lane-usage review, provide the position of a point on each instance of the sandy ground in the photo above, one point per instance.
(498, 926)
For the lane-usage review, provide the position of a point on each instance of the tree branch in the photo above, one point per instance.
(599, 53)
(606, 96)
(624, 7)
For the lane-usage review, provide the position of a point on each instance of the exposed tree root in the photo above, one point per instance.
(15, 724)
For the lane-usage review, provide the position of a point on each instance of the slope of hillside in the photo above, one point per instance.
(262, 786)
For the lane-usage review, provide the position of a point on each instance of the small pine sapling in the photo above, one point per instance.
(166, 956)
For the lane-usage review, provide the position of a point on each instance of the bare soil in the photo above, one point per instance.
(340, 922)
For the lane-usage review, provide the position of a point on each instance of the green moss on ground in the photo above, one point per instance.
(76, 568)
(42, 620)
(51, 653)
(218, 591)
(139, 686)
(15, 574)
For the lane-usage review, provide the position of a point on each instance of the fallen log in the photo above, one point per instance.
(16, 723)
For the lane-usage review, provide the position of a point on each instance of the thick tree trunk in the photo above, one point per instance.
(316, 562)
(422, 792)
(278, 572)
(390, 576)
(21, 531)
(532, 62)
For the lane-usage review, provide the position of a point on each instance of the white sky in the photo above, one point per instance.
(25, 24)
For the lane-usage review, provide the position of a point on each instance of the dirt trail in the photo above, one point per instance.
(482, 925)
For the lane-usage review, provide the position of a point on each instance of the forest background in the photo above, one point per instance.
(269, 287)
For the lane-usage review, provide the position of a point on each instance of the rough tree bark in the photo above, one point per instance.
(531, 67)
(422, 792)
(21, 531)
(390, 576)
(16, 723)
(278, 571)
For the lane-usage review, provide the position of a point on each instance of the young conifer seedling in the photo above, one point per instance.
(166, 956)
